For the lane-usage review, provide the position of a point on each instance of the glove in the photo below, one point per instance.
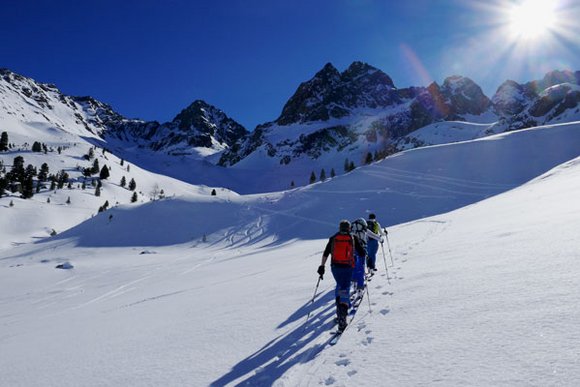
(386, 232)
(320, 271)
(382, 240)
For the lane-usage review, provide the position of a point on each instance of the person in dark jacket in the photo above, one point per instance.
(341, 247)
(375, 236)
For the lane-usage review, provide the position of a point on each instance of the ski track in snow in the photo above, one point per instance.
(359, 335)
(294, 359)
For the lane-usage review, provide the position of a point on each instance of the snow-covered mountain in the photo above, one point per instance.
(362, 115)
(29, 103)
(555, 98)
(356, 112)
(333, 122)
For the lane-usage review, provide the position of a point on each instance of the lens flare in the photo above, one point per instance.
(532, 19)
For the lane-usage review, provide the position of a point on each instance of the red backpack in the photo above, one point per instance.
(343, 250)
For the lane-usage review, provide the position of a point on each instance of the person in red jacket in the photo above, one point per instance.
(341, 247)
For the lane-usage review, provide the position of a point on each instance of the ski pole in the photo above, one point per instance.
(389, 246)
(369, 298)
(312, 301)
(385, 261)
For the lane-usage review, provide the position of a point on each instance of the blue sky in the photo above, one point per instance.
(150, 59)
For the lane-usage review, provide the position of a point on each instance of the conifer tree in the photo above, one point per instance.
(28, 188)
(292, 184)
(132, 184)
(346, 165)
(4, 142)
(213, 192)
(61, 178)
(48, 200)
(96, 167)
(312, 177)
(123, 182)
(36, 147)
(369, 158)
(332, 173)
(43, 174)
(68, 200)
(98, 191)
(351, 167)
(134, 197)
(3, 185)
(104, 173)
(11, 203)
(322, 175)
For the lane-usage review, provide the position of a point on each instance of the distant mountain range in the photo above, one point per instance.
(354, 113)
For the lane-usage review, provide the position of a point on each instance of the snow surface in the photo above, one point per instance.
(214, 290)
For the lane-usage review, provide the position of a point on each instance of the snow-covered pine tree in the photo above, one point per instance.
(312, 177)
(132, 184)
(134, 197)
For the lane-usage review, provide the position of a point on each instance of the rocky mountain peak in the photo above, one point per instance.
(327, 75)
(360, 71)
(204, 123)
(510, 98)
(330, 94)
(465, 96)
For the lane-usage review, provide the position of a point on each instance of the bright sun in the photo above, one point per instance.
(532, 19)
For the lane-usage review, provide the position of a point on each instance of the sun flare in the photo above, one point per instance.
(532, 19)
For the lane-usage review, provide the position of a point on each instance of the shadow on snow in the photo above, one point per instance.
(300, 345)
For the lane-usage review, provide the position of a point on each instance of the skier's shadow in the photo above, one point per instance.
(270, 362)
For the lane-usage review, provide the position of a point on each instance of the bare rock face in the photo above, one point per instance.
(331, 94)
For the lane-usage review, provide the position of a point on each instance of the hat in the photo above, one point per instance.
(372, 216)
(344, 226)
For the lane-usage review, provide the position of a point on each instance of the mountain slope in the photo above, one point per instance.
(485, 294)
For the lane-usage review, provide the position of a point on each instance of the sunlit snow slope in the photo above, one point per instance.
(201, 290)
